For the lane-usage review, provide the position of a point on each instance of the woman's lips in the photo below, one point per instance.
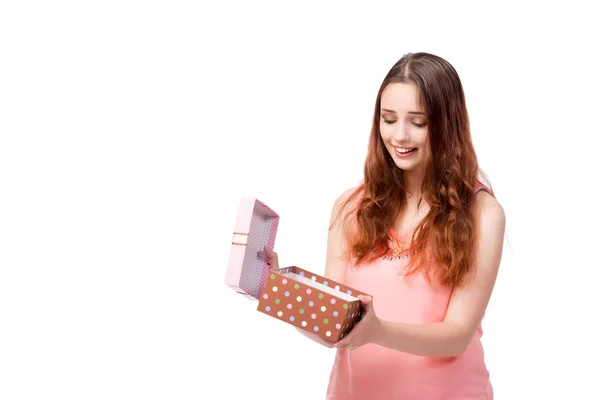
(405, 155)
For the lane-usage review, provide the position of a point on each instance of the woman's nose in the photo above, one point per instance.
(401, 134)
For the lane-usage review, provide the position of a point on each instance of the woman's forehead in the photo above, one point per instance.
(401, 98)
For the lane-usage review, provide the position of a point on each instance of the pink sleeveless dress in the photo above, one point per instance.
(373, 372)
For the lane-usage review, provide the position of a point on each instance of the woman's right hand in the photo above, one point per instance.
(271, 257)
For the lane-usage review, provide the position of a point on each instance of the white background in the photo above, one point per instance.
(130, 130)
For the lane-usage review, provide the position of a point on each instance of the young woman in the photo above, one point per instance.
(423, 236)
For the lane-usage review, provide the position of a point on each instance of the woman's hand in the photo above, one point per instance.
(365, 330)
(271, 257)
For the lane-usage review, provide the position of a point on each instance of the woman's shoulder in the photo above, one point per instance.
(354, 194)
(346, 204)
(486, 202)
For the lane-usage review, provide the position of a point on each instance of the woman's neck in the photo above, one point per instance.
(413, 182)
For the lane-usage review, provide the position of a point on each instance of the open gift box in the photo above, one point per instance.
(311, 302)
(294, 295)
(256, 227)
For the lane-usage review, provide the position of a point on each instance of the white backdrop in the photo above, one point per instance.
(130, 130)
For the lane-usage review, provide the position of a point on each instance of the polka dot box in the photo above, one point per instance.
(311, 302)
(256, 226)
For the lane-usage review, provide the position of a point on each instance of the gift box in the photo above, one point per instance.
(311, 302)
(256, 227)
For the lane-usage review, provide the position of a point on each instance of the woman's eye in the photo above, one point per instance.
(391, 121)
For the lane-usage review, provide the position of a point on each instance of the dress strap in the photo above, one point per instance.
(480, 186)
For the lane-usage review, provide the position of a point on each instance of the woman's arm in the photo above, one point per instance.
(337, 256)
(336, 259)
(467, 304)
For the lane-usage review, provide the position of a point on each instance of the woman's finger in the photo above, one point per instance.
(271, 257)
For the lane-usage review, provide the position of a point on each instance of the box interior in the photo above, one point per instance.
(320, 286)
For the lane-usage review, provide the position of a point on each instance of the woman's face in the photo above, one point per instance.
(403, 126)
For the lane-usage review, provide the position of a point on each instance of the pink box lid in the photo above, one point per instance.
(256, 227)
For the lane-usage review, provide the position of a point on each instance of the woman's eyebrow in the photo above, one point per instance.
(410, 112)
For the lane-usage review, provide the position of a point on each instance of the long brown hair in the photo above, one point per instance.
(448, 231)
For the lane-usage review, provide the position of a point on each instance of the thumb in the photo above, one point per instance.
(269, 253)
(367, 301)
(271, 257)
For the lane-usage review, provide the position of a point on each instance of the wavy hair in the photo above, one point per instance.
(447, 233)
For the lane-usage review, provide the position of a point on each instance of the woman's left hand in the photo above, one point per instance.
(365, 331)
